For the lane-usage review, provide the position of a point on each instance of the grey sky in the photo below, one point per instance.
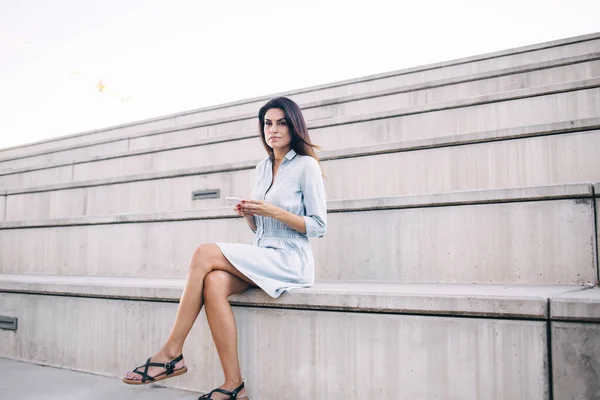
(184, 54)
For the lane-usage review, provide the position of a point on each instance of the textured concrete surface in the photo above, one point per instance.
(485, 113)
(581, 306)
(28, 381)
(2, 207)
(463, 67)
(490, 164)
(421, 122)
(468, 197)
(576, 361)
(433, 92)
(513, 163)
(516, 301)
(294, 354)
(521, 242)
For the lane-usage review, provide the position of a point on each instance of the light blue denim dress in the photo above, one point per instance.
(280, 258)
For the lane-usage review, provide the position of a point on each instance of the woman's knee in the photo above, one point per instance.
(216, 285)
(202, 256)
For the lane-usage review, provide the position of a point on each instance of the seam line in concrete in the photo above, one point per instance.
(549, 365)
(596, 246)
(341, 100)
(581, 320)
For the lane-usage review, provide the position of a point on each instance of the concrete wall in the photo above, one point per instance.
(545, 160)
(355, 105)
(294, 354)
(356, 132)
(576, 360)
(2, 207)
(521, 242)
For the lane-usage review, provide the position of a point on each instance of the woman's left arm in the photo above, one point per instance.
(314, 223)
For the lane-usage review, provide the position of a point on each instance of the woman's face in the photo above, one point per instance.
(277, 133)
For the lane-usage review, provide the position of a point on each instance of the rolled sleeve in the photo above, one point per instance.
(315, 204)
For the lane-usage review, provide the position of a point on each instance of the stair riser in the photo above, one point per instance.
(466, 90)
(554, 159)
(575, 360)
(538, 242)
(292, 353)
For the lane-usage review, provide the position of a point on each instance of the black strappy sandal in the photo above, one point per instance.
(232, 395)
(169, 373)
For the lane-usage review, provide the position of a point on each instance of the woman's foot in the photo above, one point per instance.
(230, 386)
(159, 373)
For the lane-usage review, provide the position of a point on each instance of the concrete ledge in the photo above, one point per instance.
(470, 197)
(323, 103)
(474, 358)
(435, 66)
(597, 189)
(479, 100)
(582, 306)
(362, 151)
(497, 301)
(388, 147)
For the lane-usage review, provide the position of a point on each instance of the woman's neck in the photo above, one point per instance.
(279, 154)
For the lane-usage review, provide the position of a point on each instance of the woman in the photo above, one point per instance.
(287, 207)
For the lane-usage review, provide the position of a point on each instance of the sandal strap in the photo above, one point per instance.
(145, 375)
(232, 395)
(170, 367)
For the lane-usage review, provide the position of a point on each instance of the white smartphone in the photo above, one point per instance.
(233, 201)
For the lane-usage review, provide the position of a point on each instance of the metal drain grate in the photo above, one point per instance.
(206, 194)
(8, 323)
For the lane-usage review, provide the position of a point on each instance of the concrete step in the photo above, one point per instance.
(558, 153)
(65, 384)
(336, 334)
(557, 103)
(447, 90)
(540, 235)
(572, 47)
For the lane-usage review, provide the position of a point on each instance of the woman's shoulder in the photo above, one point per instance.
(308, 162)
(262, 163)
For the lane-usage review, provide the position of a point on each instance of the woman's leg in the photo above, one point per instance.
(206, 258)
(218, 286)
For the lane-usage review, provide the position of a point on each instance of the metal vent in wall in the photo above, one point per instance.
(8, 323)
(206, 194)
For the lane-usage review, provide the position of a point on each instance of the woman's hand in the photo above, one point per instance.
(256, 207)
(241, 212)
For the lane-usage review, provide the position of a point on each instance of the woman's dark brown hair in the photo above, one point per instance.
(294, 119)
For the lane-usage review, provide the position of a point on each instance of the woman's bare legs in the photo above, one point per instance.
(218, 286)
(206, 258)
